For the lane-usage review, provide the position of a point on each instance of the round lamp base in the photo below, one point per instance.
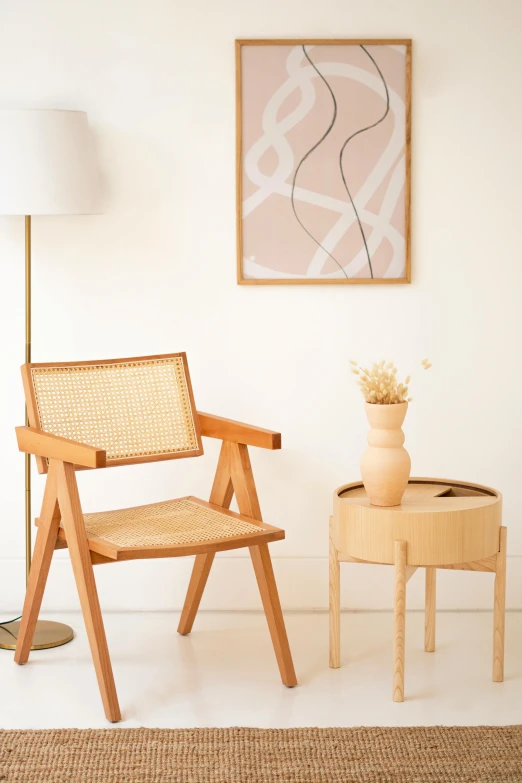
(48, 634)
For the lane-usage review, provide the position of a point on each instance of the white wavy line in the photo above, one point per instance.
(339, 229)
(299, 78)
(276, 182)
(254, 270)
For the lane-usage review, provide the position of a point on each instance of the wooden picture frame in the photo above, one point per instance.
(280, 230)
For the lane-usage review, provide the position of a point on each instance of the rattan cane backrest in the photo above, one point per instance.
(137, 410)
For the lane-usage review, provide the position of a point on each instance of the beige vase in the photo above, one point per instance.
(385, 465)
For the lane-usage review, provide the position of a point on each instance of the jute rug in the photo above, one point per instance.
(363, 755)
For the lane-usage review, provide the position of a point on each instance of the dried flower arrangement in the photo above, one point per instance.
(380, 386)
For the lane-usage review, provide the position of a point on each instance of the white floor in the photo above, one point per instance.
(224, 674)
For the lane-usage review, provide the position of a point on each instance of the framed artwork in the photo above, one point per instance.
(323, 161)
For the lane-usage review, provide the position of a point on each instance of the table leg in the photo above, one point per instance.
(430, 608)
(499, 614)
(335, 604)
(400, 620)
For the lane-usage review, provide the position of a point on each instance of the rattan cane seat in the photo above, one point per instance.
(172, 522)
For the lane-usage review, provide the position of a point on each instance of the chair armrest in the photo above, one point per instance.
(43, 444)
(237, 432)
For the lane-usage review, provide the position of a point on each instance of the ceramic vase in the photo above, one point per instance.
(385, 465)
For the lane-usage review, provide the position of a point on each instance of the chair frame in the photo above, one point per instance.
(61, 525)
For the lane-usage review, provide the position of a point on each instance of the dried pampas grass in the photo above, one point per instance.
(380, 386)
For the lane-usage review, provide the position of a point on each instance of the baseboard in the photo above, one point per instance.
(303, 584)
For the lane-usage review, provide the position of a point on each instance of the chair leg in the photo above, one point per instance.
(221, 494)
(276, 624)
(400, 620)
(248, 503)
(430, 610)
(198, 580)
(335, 605)
(500, 610)
(41, 563)
(84, 575)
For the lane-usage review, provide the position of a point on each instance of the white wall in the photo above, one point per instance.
(156, 273)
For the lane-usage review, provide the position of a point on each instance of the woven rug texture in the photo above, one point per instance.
(432, 754)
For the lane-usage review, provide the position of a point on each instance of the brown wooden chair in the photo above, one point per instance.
(123, 412)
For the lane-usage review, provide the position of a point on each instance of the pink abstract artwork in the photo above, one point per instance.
(323, 190)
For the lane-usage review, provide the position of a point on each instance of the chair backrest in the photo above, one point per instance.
(137, 410)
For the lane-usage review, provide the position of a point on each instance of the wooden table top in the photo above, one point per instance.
(432, 494)
(443, 521)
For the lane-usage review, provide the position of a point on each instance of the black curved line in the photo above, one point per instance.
(362, 130)
(307, 155)
(8, 631)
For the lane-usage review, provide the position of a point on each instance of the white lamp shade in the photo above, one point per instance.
(48, 164)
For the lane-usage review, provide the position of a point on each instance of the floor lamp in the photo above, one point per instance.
(47, 167)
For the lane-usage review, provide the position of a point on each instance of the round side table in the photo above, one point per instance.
(439, 524)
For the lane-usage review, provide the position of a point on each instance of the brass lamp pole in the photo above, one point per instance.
(28, 315)
(48, 633)
(47, 167)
